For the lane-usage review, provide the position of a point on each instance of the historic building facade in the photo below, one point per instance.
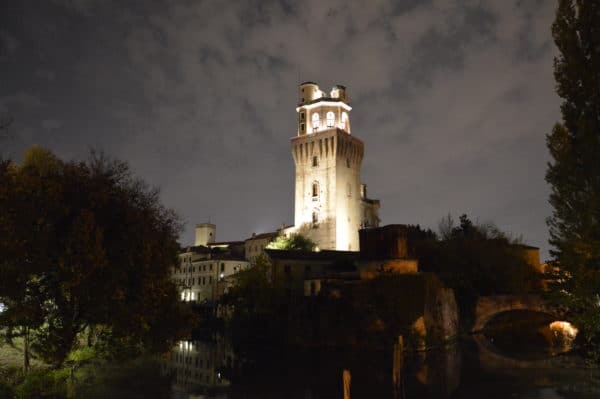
(331, 204)
(204, 271)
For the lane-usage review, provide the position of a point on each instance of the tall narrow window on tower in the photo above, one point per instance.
(315, 191)
(315, 122)
(330, 119)
(315, 218)
(344, 123)
(315, 161)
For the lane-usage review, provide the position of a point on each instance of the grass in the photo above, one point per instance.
(11, 356)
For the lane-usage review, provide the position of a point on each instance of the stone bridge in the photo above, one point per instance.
(489, 306)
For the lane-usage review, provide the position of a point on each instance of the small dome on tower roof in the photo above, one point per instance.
(308, 83)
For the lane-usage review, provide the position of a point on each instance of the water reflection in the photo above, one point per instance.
(475, 367)
(199, 368)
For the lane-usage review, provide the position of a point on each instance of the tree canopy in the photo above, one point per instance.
(474, 259)
(85, 246)
(574, 172)
(295, 242)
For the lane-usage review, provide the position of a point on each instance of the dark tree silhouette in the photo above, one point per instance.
(574, 173)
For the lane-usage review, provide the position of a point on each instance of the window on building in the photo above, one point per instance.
(210, 279)
(315, 161)
(313, 288)
(347, 162)
(330, 119)
(345, 121)
(222, 267)
(301, 116)
(315, 190)
(349, 190)
(203, 280)
(302, 127)
(210, 267)
(315, 121)
(315, 218)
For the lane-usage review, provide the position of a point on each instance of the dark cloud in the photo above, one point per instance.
(452, 100)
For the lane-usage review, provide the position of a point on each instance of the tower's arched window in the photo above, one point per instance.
(349, 190)
(315, 121)
(330, 119)
(345, 121)
(315, 190)
(315, 161)
(315, 217)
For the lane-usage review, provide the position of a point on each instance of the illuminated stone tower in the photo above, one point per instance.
(331, 204)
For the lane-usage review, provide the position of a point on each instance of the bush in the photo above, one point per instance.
(43, 384)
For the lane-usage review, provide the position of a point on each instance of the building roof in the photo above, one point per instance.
(324, 255)
(524, 246)
(198, 249)
(263, 235)
(215, 244)
(370, 200)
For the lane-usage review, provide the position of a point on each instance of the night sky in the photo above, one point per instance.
(452, 99)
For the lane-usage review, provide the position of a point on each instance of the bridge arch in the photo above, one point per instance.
(489, 306)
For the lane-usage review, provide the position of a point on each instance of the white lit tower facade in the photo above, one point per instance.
(331, 204)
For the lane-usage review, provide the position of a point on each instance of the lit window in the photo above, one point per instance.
(330, 119)
(315, 121)
(315, 161)
(345, 121)
(315, 190)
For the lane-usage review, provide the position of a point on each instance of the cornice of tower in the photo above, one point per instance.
(326, 134)
(326, 101)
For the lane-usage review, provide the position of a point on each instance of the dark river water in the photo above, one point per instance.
(473, 368)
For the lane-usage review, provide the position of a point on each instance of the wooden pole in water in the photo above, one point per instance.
(347, 380)
(397, 367)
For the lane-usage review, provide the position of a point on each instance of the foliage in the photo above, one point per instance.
(295, 242)
(85, 244)
(258, 305)
(475, 259)
(574, 173)
(42, 383)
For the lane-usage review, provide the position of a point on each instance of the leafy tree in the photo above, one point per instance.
(574, 173)
(475, 259)
(295, 242)
(86, 246)
(258, 304)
